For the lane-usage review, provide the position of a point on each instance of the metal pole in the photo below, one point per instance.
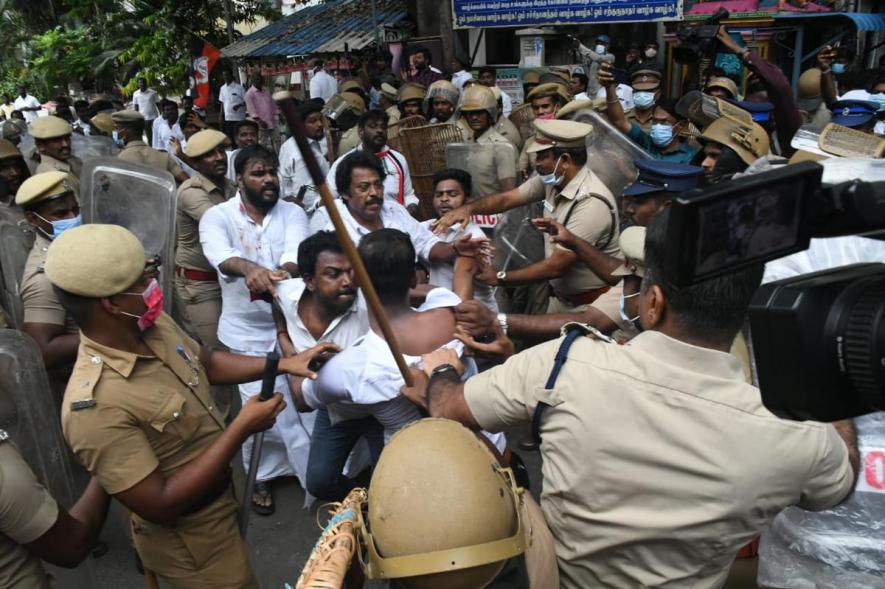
(375, 24)
(797, 56)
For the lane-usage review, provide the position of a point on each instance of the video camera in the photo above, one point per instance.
(697, 41)
(818, 340)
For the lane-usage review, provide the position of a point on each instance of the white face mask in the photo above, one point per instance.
(600, 49)
(650, 53)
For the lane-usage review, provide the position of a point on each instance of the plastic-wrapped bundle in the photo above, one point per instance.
(842, 547)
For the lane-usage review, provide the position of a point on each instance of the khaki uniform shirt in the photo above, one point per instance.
(509, 132)
(27, 511)
(349, 140)
(41, 305)
(491, 164)
(646, 126)
(589, 217)
(196, 195)
(140, 152)
(73, 167)
(526, 162)
(659, 461)
(393, 114)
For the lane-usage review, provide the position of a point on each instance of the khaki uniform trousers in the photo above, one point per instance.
(198, 309)
(201, 551)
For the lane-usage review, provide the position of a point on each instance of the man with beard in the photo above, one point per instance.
(129, 127)
(252, 242)
(52, 137)
(166, 127)
(245, 133)
(324, 306)
(13, 171)
(424, 71)
(494, 168)
(372, 129)
(295, 181)
(441, 100)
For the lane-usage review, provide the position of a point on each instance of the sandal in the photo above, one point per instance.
(262, 491)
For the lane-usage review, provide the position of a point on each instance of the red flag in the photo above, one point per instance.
(204, 56)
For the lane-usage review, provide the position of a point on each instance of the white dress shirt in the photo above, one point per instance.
(365, 380)
(231, 171)
(226, 231)
(443, 273)
(147, 103)
(393, 216)
(459, 77)
(343, 330)
(506, 104)
(397, 182)
(27, 102)
(625, 95)
(323, 85)
(231, 96)
(162, 132)
(293, 171)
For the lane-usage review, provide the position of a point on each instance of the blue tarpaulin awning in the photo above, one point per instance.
(321, 28)
(864, 21)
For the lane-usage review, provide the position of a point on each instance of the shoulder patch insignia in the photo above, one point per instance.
(589, 331)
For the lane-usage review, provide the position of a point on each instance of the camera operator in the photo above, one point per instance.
(660, 461)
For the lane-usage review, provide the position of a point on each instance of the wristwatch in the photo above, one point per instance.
(442, 368)
(502, 322)
(502, 276)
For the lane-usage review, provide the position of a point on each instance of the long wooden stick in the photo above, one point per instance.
(290, 111)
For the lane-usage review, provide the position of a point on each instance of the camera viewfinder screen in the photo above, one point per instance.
(748, 228)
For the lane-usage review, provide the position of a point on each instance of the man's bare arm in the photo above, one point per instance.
(56, 346)
(846, 430)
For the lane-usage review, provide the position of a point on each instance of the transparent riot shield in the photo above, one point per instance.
(29, 415)
(140, 198)
(87, 147)
(15, 245)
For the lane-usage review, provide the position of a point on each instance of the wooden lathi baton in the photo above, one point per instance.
(296, 125)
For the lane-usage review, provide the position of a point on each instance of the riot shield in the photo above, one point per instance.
(425, 151)
(140, 198)
(87, 147)
(16, 245)
(29, 415)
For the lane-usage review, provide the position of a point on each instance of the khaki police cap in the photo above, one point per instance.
(8, 149)
(103, 122)
(558, 133)
(531, 77)
(644, 80)
(411, 92)
(95, 260)
(203, 142)
(127, 116)
(50, 127)
(573, 107)
(549, 89)
(747, 139)
(632, 242)
(724, 83)
(388, 91)
(40, 187)
(348, 85)
(354, 100)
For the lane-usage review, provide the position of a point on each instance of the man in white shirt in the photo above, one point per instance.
(232, 97)
(252, 241)
(166, 127)
(372, 130)
(323, 84)
(145, 101)
(324, 305)
(489, 77)
(461, 74)
(27, 105)
(245, 133)
(295, 181)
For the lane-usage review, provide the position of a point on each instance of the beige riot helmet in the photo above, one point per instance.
(344, 109)
(747, 139)
(442, 511)
(441, 89)
(479, 97)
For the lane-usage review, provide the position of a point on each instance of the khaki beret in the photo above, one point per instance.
(643, 80)
(203, 142)
(632, 242)
(558, 133)
(95, 260)
(573, 107)
(40, 187)
(8, 149)
(103, 122)
(50, 127)
(549, 89)
(411, 92)
(126, 116)
(388, 91)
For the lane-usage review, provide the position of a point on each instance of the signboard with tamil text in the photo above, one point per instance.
(528, 13)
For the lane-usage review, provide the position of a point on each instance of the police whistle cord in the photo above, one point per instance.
(296, 126)
(267, 382)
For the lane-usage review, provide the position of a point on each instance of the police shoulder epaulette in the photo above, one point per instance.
(3, 436)
(589, 331)
(86, 375)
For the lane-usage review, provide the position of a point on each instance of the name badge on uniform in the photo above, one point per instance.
(548, 206)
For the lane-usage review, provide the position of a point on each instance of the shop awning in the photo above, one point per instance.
(322, 28)
(864, 21)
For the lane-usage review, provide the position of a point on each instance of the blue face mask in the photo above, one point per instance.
(661, 135)
(644, 100)
(879, 99)
(838, 68)
(116, 137)
(552, 179)
(632, 321)
(62, 225)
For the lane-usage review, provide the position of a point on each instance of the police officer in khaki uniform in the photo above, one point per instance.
(13, 171)
(493, 169)
(52, 137)
(574, 197)
(129, 128)
(546, 100)
(138, 415)
(504, 125)
(351, 138)
(660, 461)
(387, 103)
(646, 85)
(34, 527)
(102, 124)
(51, 208)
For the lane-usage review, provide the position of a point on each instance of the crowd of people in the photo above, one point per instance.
(655, 443)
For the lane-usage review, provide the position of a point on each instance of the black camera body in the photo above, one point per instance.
(698, 41)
